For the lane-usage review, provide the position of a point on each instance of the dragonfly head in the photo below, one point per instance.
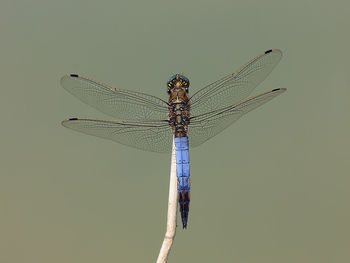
(178, 81)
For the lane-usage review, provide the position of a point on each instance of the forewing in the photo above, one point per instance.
(206, 126)
(154, 136)
(119, 103)
(236, 86)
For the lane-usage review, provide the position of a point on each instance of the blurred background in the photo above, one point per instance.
(274, 187)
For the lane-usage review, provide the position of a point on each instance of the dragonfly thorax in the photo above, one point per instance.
(179, 113)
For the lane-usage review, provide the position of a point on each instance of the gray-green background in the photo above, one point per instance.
(272, 188)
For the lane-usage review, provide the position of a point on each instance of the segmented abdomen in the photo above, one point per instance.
(183, 176)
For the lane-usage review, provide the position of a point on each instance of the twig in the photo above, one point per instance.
(172, 209)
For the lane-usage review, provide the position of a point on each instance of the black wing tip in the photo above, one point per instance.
(74, 75)
(273, 50)
(67, 120)
(281, 89)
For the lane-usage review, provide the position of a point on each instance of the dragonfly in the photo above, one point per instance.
(152, 124)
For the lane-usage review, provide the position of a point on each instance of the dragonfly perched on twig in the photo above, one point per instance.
(149, 123)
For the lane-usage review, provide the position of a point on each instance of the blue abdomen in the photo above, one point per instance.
(183, 176)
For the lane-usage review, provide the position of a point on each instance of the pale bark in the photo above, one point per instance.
(172, 210)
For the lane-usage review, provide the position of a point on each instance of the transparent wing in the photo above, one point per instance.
(236, 86)
(206, 126)
(154, 136)
(119, 103)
